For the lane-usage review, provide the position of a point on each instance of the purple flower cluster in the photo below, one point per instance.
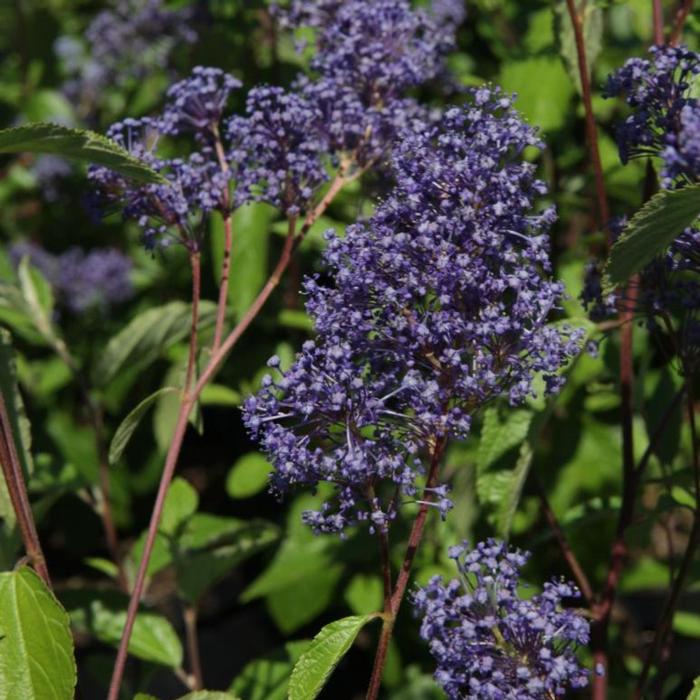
(665, 115)
(125, 43)
(80, 280)
(284, 146)
(439, 304)
(665, 121)
(492, 644)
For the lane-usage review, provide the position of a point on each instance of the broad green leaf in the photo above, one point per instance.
(131, 422)
(36, 647)
(219, 395)
(592, 17)
(686, 623)
(543, 90)
(299, 603)
(103, 614)
(76, 144)
(181, 503)
(695, 692)
(199, 569)
(249, 257)
(248, 476)
(267, 678)
(326, 650)
(650, 231)
(142, 340)
(364, 594)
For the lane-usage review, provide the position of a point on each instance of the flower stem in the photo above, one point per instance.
(17, 490)
(187, 402)
(664, 626)
(190, 618)
(394, 603)
(658, 19)
(679, 22)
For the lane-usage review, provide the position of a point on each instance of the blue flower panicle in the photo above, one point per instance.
(492, 644)
(438, 304)
(665, 112)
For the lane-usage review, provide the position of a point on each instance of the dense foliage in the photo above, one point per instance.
(349, 344)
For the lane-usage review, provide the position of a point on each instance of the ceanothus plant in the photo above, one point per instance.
(490, 642)
(440, 304)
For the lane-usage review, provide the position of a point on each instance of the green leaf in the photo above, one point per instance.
(686, 623)
(36, 647)
(142, 340)
(198, 570)
(695, 692)
(103, 615)
(144, 696)
(131, 422)
(267, 678)
(38, 297)
(326, 650)
(248, 476)
(592, 17)
(181, 503)
(77, 144)
(543, 90)
(364, 594)
(299, 603)
(650, 231)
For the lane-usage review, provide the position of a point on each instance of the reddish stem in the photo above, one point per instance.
(591, 131)
(394, 603)
(192, 637)
(17, 491)
(188, 400)
(228, 243)
(664, 626)
(658, 19)
(679, 22)
(196, 266)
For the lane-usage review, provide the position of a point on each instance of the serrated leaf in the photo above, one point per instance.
(142, 340)
(103, 615)
(248, 476)
(327, 648)
(36, 647)
(592, 18)
(267, 678)
(131, 422)
(650, 231)
(76, 144)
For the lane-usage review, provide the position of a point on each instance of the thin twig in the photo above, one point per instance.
(679, 22)
(577, 571)
(399, 592)
(591, 130)
(196, 266)
(188, 400)
(658, 20)
(190, 617)
(665, 623)
(17, 491)
(228, 244)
